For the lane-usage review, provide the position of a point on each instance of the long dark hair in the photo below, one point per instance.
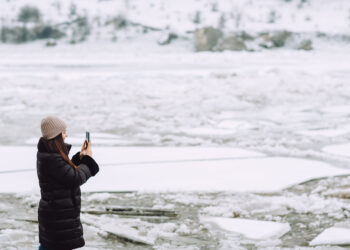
(56, 145)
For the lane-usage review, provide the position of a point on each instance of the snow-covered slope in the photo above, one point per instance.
(113, 20)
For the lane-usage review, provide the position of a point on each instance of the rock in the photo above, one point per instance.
(231, 43)
(305, 45)
(50, 43)
(17, 34)
(166, 38)
(207, 38)
(264, 41)
(279, 38)
(245, 36)
(47, 31)
(118, 22)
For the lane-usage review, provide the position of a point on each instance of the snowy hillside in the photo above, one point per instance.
(76, 21)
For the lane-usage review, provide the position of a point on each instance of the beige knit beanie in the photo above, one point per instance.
(51, 126)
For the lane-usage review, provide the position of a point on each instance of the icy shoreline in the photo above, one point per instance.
(291, 214)
(308, 209)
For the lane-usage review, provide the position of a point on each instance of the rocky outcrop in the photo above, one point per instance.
(232, 42)
(207, 38)
(279, 38)
(275, 39)
(305, 45)
(212, 39)
(166, 38)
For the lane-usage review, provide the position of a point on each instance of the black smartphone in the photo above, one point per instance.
(87, 137)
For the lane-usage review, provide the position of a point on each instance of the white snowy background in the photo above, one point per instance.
(222, 138)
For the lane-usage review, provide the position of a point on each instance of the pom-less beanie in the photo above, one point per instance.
(51, 126)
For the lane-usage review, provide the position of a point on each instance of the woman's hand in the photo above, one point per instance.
(86, 149)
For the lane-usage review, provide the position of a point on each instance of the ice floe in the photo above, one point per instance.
(172, 169)
(253, 229)
(119, 229)
(335, 235)
(240, 175)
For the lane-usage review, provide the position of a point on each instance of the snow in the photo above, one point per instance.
(173, 169)
(179, 15)
(246, 100)
(99, 197)
(120, 155)
(241, 175)
(125, 155)
(338, 149)
(253, 229)
(17, 236)
(9, 161)
(324, 132)
(332, 236)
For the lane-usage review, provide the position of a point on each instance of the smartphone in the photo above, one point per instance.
(87, 137)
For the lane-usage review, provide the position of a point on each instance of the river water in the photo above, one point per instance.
(309, 208)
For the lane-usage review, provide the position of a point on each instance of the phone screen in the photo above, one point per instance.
(87, 136)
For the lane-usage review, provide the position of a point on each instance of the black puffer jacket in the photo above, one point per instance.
(59, 207)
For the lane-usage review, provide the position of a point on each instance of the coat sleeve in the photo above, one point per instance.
(76, 158)
(69, 176)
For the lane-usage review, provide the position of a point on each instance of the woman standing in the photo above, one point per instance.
(60, 179)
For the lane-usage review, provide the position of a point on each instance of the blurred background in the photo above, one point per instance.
(266, 75)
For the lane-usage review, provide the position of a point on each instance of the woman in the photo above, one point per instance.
(60, 179)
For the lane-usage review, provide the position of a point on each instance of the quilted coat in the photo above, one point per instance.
(59, 207)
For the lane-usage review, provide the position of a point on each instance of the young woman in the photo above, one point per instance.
(60, 179)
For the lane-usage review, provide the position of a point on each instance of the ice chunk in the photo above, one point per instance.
(122, 230)
(99, 197)
(333, 236)
(252, 229)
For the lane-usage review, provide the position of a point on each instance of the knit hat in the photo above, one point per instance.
(51, 126)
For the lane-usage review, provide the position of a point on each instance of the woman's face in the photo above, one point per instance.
(64, 135)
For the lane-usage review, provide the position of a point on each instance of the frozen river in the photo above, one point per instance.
(308, 209)
(279, 102)
(281, 105)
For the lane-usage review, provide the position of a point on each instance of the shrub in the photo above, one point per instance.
(29, 14)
